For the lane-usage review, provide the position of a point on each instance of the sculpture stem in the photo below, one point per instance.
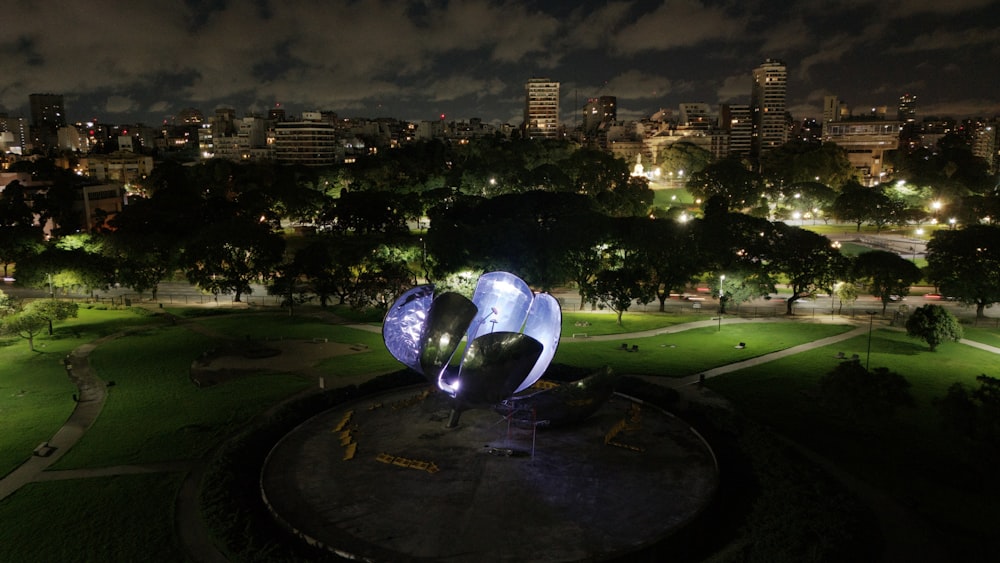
(453, 418)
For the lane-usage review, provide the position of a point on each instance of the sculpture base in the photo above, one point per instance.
(487, 490)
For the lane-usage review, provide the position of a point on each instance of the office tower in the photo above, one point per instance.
(47, 116)
(598, 112)
(907, 111)
(311, 141)
(189, 116)
(831, 109)
(276, 114)
(16, 134)
(695, 115)
(736, 119)
(541, 109)
(767, 104)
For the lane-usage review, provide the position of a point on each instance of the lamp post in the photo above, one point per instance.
(868, 358)
(722, 302)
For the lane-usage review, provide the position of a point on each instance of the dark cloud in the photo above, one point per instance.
(143, 61)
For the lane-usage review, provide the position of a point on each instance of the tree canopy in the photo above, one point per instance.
(934, 325)
(965, 264)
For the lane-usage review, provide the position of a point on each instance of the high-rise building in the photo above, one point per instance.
(541, 109)
(599, 111)
(767, 105)
(311, 142)
(47, 116)
(15, 134)
(907, 111)
(831, 109)
(736, 119)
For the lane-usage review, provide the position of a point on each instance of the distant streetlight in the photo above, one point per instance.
(951, 223)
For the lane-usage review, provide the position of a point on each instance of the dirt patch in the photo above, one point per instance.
(291, 356)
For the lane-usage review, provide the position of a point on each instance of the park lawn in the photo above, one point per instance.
(36, 396)
(666, 198)
(154, 412)
(910, 456)
(988, 336)
(276, 325)
(374, 360)
(692, 351)
(122, 518)
(596, 323)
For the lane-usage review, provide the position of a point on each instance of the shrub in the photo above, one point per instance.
(862, 395)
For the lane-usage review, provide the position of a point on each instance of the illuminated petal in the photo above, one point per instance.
(544, 324)
(503, 300)
(449, 316)
(404, 325)
(494, 365)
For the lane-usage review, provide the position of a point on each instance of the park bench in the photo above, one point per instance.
(44, 450)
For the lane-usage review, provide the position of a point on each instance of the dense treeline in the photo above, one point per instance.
(554, 213)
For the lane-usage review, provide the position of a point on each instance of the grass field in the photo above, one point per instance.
(154, 413)
(123, 518)
(672, 197)
(910, 457)
(692, 351)
(36, 397)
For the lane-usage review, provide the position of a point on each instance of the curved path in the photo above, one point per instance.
(92, 393)
(196, 540)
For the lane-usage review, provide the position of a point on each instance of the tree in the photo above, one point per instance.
(739, 247)
(667, 250)
(858, 393)
(807, 259)
(683, 157)
(798, 162)
(19, 235)
(974, 415)
(228, 255)
(74, 261)
(24, 324)
(617, 289)
(847, 292)
(145, 239)
(52, 310)
(34, 317)
(887, 274)
(730, 179)
(859, 204)
(965, 264)
(933, 324)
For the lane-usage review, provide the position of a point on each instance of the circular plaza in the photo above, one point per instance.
(382, 479)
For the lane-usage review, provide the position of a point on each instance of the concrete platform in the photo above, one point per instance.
(475, 493)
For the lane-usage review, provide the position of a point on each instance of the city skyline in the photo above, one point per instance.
(466, 59)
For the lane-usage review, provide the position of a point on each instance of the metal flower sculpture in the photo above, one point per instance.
(511, 337)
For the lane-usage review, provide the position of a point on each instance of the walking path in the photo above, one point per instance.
(196, 540)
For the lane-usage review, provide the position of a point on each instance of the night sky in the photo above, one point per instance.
(128, 61)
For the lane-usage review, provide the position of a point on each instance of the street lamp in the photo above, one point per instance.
(722, 302)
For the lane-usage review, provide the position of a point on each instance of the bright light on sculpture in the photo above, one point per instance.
(511, 336)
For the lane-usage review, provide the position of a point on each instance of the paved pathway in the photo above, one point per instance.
(196, 539)
(90, 402)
